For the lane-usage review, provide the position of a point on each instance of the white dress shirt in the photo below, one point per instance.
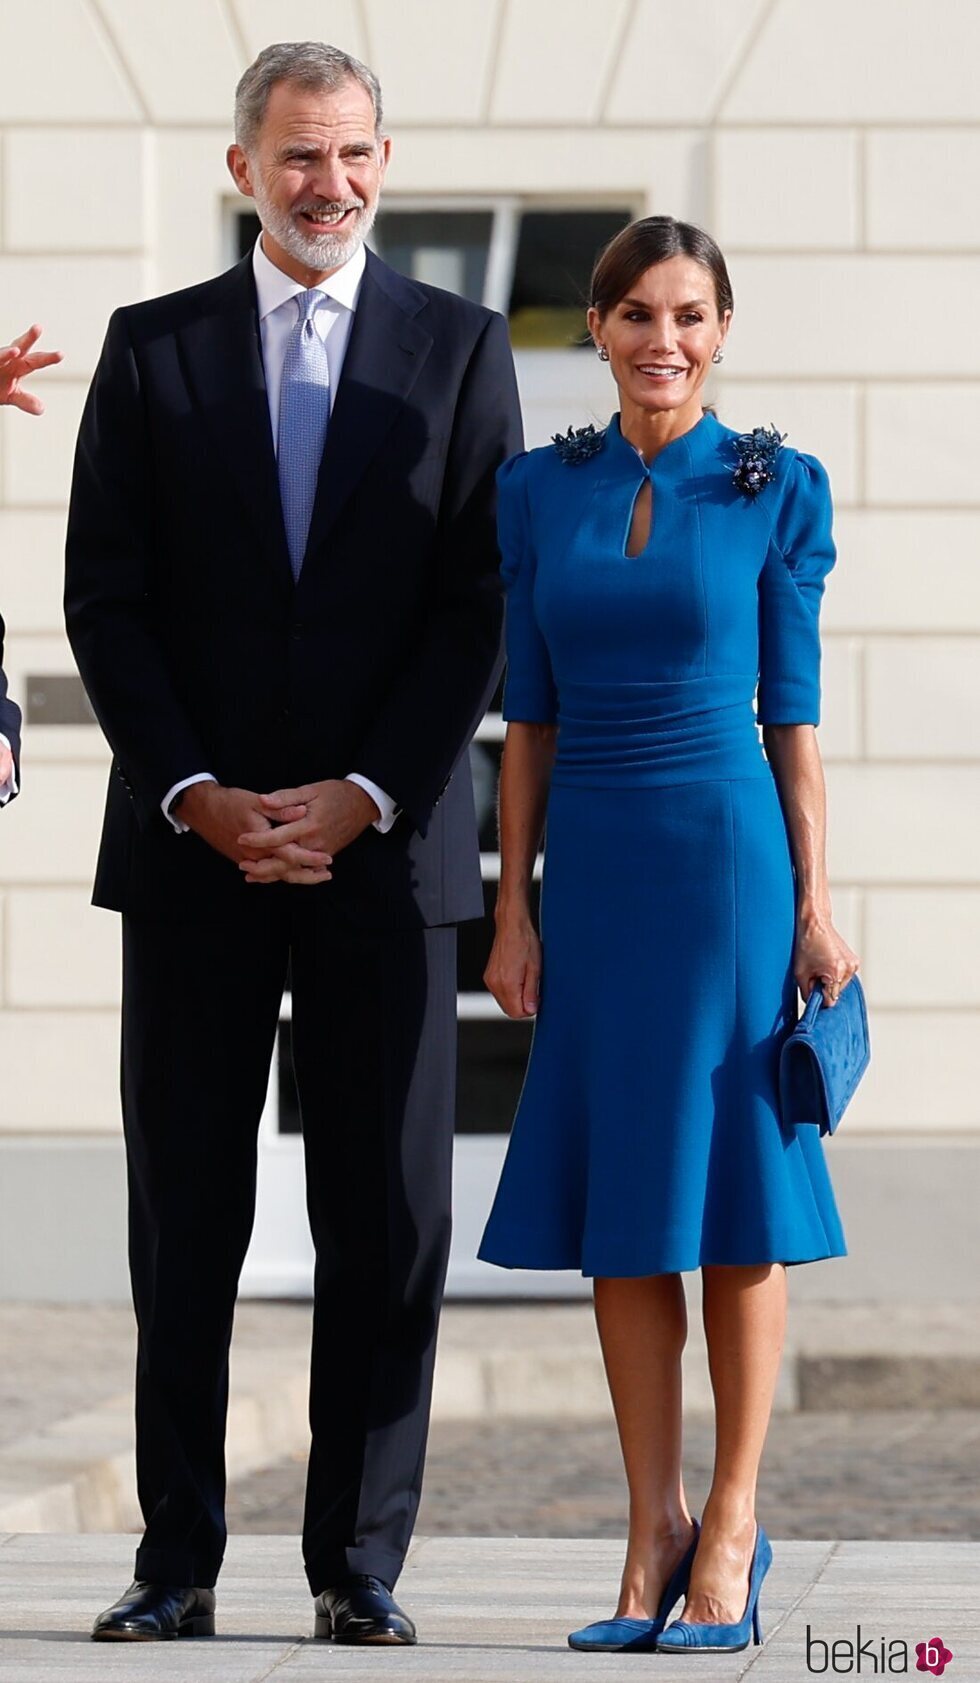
(333, 320)
(9, 786)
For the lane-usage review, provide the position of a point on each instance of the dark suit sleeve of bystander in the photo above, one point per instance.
(9, 711)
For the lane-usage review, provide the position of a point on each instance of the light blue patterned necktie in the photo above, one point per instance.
(304, 410)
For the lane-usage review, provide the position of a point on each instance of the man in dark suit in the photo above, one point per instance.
(282, 593)
(17, 361)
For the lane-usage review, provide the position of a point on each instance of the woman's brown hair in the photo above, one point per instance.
(651, 240)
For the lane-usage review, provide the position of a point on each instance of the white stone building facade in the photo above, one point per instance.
(834, 151)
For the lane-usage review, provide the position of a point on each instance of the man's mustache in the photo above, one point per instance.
(334, 208)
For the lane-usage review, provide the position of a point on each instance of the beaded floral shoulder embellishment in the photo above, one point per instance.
(756, 452)
(578, 444)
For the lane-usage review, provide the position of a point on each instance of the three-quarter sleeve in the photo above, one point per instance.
(800, 555)
(529, 686)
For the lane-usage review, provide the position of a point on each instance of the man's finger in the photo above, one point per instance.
(310, 858)
(282, 873)
(268, 841)
(28, 401)
(288, 797)
(290, 814)
(263, 870)
(42, 359)
(8, 353)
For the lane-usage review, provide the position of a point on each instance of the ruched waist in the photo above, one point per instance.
(616, 735)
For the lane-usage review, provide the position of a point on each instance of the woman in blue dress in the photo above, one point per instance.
(660, 573)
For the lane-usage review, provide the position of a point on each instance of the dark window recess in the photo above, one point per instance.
(442, 248)
(485, 770)
(289, 1122)
(57, 699)
(247, 227)
(492, 1061)
(555, 253)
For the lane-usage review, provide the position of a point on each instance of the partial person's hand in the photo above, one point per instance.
(6, 765)
(17, 361)
(319, 818)
(513, 972)
(219, 815)
(822, 958)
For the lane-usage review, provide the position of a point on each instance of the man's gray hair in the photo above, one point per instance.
(311, 65)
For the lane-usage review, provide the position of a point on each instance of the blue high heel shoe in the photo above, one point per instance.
(683, 1638)
(638, 1636)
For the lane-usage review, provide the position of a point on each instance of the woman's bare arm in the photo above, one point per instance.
(821, 955)
(514, 968)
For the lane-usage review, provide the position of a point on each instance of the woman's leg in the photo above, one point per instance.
(642, 1328)
(744, 1323)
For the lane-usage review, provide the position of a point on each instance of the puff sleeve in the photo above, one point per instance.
(800, 555)
(529, 686)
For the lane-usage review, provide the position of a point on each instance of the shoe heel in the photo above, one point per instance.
(203, 1625)
(756, 1625)
(323, 1627)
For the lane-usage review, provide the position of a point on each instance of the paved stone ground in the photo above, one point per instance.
(886, 1474)
(489, 1610)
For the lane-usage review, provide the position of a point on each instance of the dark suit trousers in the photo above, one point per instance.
(374, 1048)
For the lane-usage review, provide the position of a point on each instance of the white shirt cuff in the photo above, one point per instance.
(172, 817)
(384, 803)
(9, 787)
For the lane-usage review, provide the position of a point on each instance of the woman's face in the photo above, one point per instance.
(661, 337)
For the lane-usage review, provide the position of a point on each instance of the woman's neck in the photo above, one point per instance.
(650, 429)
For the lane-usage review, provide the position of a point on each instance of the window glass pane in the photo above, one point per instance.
(247, 230)
(555, 253)
(446, 248)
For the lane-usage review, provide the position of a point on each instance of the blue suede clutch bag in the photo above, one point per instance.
(823, 1058)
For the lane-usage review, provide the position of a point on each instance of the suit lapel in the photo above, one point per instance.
(385, 354)
(222, 358)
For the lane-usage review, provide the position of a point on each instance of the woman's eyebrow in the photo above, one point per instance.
(641, 304)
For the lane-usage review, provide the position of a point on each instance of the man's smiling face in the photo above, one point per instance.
(315, 173)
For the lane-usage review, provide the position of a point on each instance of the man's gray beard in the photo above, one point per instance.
(317, 251)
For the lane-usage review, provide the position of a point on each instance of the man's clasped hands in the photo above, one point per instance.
(290, 836)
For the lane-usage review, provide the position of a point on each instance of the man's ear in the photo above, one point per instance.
(238, 168)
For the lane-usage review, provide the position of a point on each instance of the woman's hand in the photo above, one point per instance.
(513, 972)
(821, 957)
(19, 360)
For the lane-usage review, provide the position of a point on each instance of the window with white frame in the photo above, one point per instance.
(531, 260)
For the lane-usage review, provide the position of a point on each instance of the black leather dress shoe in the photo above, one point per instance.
(156, 1613)
(361, 1609)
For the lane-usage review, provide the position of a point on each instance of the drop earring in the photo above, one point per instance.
(717, 354)
(602, 353)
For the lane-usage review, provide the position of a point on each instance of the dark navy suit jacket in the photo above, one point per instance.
(199, 652)
(9, 711)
